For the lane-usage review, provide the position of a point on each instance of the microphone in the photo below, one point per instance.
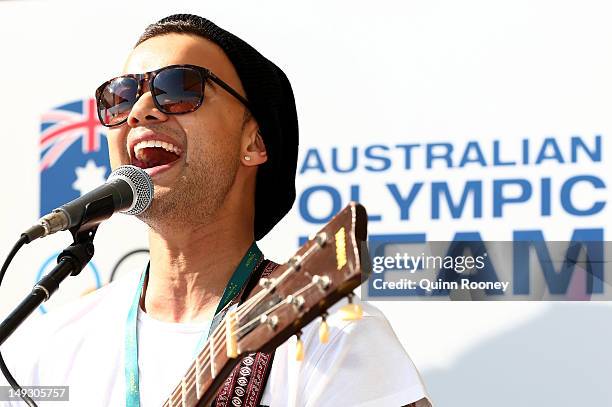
(128, 189)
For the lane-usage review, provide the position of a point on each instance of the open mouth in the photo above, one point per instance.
(154, 153)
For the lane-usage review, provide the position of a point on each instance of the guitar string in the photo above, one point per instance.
(206, 363)
(217, 334)
(248, 305)
(243, 309)
(246, 325)
(191, 378)
(205, 354)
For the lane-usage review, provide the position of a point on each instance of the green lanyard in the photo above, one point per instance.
(233, 289)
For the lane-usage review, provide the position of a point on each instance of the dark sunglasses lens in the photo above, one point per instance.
(116, 100)
(178, 90)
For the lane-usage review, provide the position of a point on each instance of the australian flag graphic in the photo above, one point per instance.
(73, 153)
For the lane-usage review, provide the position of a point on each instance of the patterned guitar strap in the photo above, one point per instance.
(245, 386)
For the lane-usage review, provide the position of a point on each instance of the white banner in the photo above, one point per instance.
(442, 118)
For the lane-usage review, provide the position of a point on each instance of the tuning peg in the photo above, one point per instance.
(299, 347)
(351, 311)
(324, 329)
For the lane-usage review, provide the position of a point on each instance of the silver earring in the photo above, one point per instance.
(247, 157)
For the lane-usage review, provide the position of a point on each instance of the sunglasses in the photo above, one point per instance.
(176, 89)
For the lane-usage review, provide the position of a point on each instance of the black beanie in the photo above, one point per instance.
(272, 104)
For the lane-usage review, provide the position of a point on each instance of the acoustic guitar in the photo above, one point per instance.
(322, 272)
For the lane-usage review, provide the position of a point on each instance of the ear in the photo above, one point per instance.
(253, 150)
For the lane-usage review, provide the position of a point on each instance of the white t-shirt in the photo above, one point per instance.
(82, 346)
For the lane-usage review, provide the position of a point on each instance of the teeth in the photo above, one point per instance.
(154, 143)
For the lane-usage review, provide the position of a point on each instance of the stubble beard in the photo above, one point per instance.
(195, 197)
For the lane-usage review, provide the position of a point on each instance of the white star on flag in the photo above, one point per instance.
(89, 177)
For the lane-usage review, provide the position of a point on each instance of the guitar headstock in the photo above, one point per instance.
(323, 271)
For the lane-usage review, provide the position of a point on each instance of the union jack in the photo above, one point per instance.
(64, 125)
(70, 138)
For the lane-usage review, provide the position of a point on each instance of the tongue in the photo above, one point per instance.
(155, 156)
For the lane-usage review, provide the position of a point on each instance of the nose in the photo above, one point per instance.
(144, 112)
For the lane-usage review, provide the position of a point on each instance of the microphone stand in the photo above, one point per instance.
(70, 262)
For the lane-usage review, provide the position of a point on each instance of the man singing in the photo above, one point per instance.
(214, 124)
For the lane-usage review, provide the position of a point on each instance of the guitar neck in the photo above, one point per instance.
(204, 377)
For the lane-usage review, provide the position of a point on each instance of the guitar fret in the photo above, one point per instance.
(197, 376)
(211, 348)
(175, 397)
